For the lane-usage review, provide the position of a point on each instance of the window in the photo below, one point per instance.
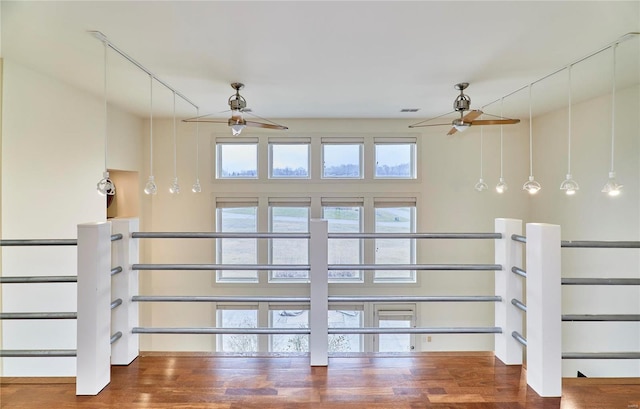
(344, 215)
(238, 160)
(342, 158)
(289, 215)
(393, 216)
(395, 158)
(345, 316)
(237, 317)
(237, 216)
(289, 160)
(395, 319)
(292, 317)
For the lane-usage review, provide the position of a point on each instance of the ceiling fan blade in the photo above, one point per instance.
(452, 131)
(204, 118)
(422, 126)
(263, 125)
(506, 121)
(471, 115)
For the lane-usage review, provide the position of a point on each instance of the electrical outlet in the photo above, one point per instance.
(429, 338)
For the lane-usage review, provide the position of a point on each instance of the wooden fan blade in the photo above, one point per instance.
(203, 119)
(452, 131)
(495, 121)
(263, 125)
(422, 126)
(471, 115)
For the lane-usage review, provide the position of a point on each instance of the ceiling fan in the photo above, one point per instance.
(238, 106)
(461, 104)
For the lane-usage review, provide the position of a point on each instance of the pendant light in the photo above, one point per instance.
(612, 188)
(480, 186)
(196, 188)
(531, 185)
(105, 186)
(150, 188)
(175, 187)
(501, 187)
(569, 185)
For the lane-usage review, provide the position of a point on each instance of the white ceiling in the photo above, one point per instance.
(319, 59)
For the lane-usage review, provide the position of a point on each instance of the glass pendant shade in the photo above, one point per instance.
(501, 187)
(481, 185)
(175, 186)
(531, 186)
(196, 188)
(150, 187)
(236, 129)
(106, 186)
(612, 188)
(569, 185)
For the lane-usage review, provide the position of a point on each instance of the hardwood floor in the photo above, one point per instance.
(424, 380)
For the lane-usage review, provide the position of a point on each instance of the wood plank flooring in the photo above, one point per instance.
(424, 380)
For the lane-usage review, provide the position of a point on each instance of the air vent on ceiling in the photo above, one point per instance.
(409, 109)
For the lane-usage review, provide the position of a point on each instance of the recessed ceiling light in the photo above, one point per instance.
(409, 109)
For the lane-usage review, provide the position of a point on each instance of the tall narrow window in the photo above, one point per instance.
(237, 317)
(395, 216)
(236, 160)
(289, 160)
(237, 216)
(345, 316)
(292, 317)
(344, 215)
(289, 215)
(395, 158)
(342, 158)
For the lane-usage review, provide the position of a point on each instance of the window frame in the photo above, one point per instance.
(293, 202)
(413, 149)
(219, 162)
(359, 142)
(289, 142)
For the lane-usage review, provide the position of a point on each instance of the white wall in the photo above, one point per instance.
(52, 158)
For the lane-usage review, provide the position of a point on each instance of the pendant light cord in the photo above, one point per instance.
(197, 146)
(481, 137)
(530, 136)
(151, 125)
(569, 126)
(175, 145)
(501, 138)
(106, 122)
(613, 105)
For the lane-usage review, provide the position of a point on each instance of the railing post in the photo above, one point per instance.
(125, 285)
(319, 305)
(508, 286)
(93, 368)
(544, 322)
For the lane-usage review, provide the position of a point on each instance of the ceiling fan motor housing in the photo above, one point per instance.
(462, 103)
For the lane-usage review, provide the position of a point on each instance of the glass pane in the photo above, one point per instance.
(394, 251)
(341, 161)
(394, 342)
(237, 251)
(290, 251)
(237, 161)
(345, 342)
(344, 251)
(237, 319)
(289, 161)
(395, 161)
(290, 319)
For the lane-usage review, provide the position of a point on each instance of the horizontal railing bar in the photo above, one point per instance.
(38, 315)
(601, 281)
(39, 242)
(217, 235)
(220, 267)
(115, 337)
(202, 298)
(117, 236)
(600, 244)
(437, 267)
(518, 337)
(210, 330)
(601, 355)
(519, 238)
(415, 235)
(116, 270)
(115, 303)
(519, 305)
(38, 279)
(601, 317)
(405, 330)
(412, 298)
(24, 353)
(519, 271)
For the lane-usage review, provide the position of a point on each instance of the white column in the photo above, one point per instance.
(93, 367)
(319, 308)
(544, 312)
(124, 286)
(508, 253)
